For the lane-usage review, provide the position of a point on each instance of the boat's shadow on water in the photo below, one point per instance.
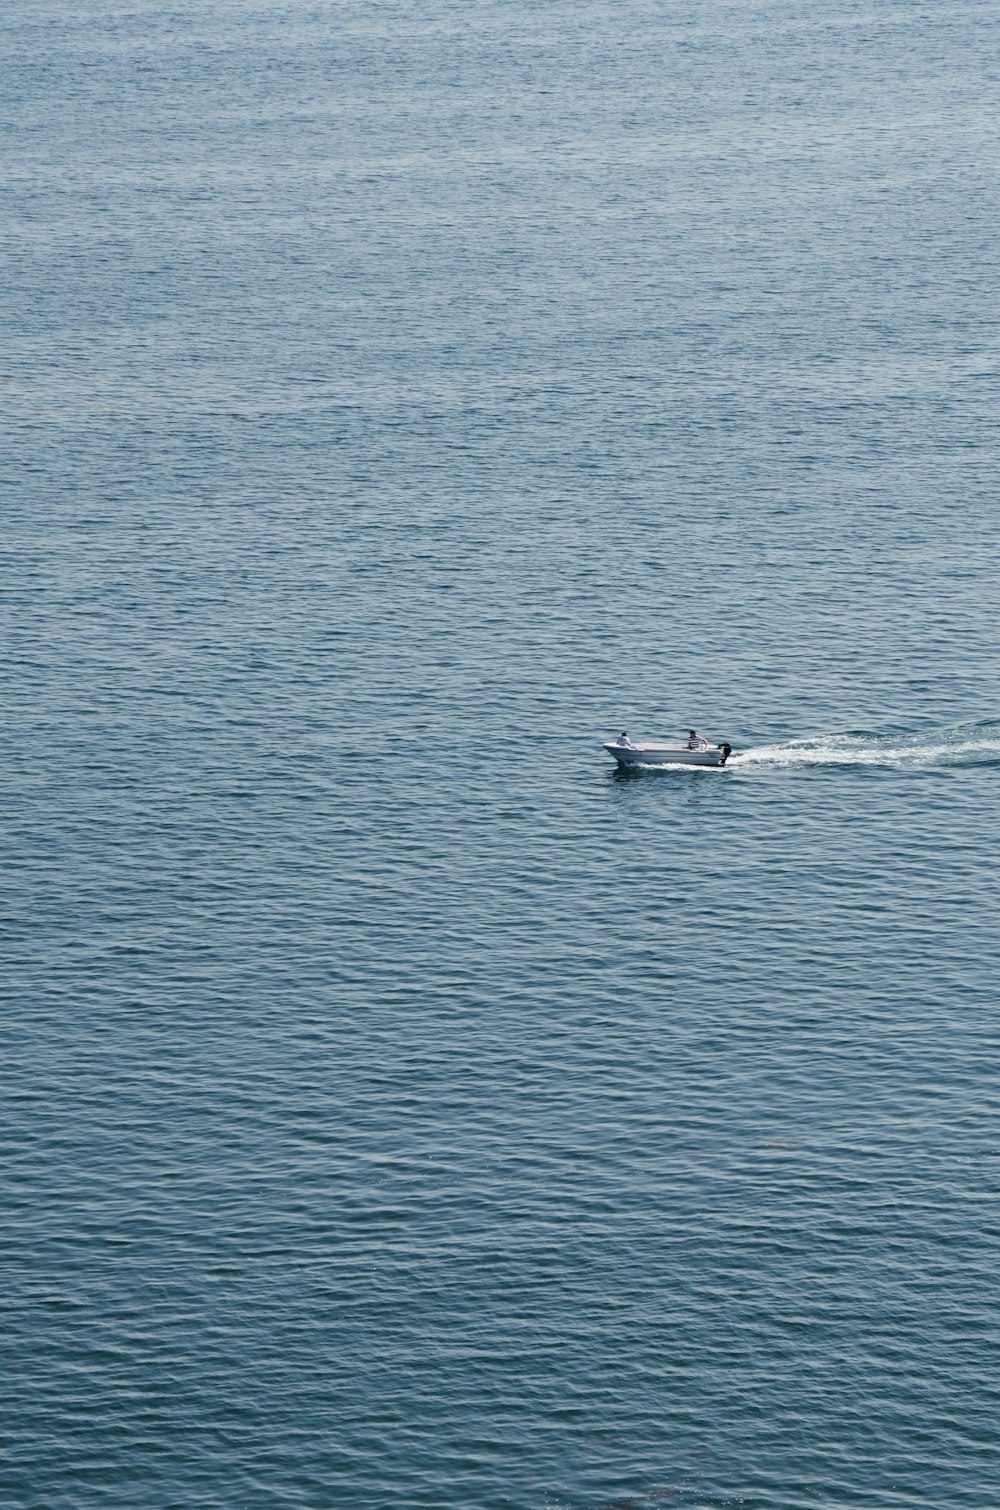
(690, 780)
(675, 772)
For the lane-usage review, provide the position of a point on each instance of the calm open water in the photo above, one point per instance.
(403, 1107)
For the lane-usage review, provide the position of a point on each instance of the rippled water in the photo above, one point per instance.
(403, 1105)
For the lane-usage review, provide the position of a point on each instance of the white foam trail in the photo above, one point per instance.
(940, 747)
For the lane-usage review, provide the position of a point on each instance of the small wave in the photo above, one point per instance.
(963, 745)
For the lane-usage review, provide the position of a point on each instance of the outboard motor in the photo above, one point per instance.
(727, 750)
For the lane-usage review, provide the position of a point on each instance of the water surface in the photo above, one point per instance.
(405, 1107)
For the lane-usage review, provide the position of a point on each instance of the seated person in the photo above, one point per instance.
(695, 741)
(623, 739)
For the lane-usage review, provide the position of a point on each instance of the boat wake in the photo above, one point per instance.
(963, 745)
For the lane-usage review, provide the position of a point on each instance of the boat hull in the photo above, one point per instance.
(650, 754)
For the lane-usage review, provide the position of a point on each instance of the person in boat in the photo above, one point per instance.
(696, 742)
(624, 740)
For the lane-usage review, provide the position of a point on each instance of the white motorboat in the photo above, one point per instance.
(659, 754)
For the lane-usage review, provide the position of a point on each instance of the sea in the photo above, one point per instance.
(402, 1105)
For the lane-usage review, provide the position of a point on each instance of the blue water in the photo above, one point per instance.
(403, 1107)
